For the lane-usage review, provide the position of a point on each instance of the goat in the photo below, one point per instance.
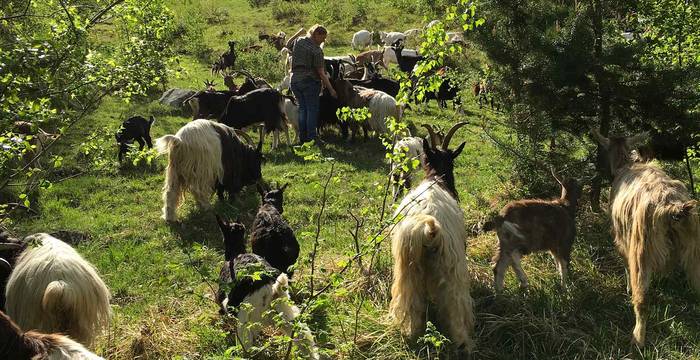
(371, 57)
(413, 146)
(380, 104)
(447, 90)
(482, 93)
(378, 82)
(10, 249)
(406, 62)
(278, 41)
(655, 223)
(226, 59)
(237, 286)
(389, 55)
(271, 236)
(389, 38)
(527, 226)
(327, 114)
(261, 105)
(18, 345)
(205, 156)
(291, 109)
(411, 33)
(37, 140)
(53, 289)
(135, 128)
(361, 40)
(428, 248)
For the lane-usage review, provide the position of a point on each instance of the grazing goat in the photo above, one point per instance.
(361, 40)
(271, 236)
(389, 55)
(261, 105)
(39, 139)
(378, 82)
(53, 289)
(527, 226)
(278, 41)
(210, 104)
(429, 251)
(413, 146)
(135, 128)
(238, 286)
(226, 60)
(655, 223)
(205, 156)
(18, 345)
(380, 104)
(371, 57)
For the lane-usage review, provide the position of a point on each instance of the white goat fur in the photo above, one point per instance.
(381, 105)
(361, 39)
(292, 112)
(252, 315)
(414, 150)
(53, 289)
(194, 164)
(391, 37)
(430, 265)
(644, 200)
(67, 349)
(389, 56)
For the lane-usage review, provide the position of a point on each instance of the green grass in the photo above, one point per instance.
(162, 276)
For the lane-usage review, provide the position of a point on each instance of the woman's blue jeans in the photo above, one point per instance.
(307, 93)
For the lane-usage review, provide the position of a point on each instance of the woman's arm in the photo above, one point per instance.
(326, 82)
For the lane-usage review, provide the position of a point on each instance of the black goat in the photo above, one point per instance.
(260, 105)
(226, 60)
(271, 236)
(378, 82)
(406, 62)
(447, 91)
(10, 248)
(135, 128)
(211, 104)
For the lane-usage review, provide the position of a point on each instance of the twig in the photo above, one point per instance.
(356, 235)
(23, 14)
(318, 227)
(99, 15)
(21, 206)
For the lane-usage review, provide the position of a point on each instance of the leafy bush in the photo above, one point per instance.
(190, 30)
(258, 3)
(291, 12)
(347, 14)
(264, 62)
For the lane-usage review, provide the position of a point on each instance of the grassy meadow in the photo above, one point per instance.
(163, 276)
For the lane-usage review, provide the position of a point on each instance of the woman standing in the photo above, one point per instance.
(307, 75)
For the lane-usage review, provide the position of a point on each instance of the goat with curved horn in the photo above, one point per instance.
(433, 136)
(451, 132)
(245, 136)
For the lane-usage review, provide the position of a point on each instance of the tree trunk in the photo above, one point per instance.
(602, 169)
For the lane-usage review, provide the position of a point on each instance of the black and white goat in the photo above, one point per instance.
(211, 103)
(53, 289)
(380, 104)
(18, 345)
(250, 285)
(413, 147)
(406, 62)
(204, 156)
(135, 128)
(261, 105)
(526, 226)
(429, 250)
(271, 236)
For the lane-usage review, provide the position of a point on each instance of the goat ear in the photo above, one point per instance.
(426, 145)
(221, 222)
(151, 120)
(458, 150)
(602, 140)
(261, 190)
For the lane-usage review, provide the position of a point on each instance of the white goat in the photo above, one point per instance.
(389, 56)
(361, 39)
(429, 250)
(389, 38)
(53, 289)
(292, 111)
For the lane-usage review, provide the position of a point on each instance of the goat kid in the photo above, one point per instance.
(527, 226)
(135, 128)
(251, 298)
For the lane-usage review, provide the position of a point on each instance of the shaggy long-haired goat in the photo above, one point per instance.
(18, 345)
(53, 289)
(271, 236)
(429, 250)
(534, 225)
(204, 156)
(238, 286)
(655, 223)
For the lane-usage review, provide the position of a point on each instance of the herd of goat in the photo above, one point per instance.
(48, 288)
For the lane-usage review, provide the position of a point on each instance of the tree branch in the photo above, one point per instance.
(100, 14)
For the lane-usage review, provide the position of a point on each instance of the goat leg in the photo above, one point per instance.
(515, 255)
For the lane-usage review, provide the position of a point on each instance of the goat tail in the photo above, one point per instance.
(513, 229)
(408, 296)
(165, 144)
(58, 298)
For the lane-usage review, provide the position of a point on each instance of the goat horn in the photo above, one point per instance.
(245, 136)
(433, 137)
(4, 264)
(453, 129)
(563, 188)
(10, 246)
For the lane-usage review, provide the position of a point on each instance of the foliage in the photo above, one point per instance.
(290, 11)
(264, 63)
(190, 36)
(345, 14)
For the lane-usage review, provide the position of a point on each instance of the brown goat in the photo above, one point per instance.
(655, 223)
(371, 57)
(535, 225)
